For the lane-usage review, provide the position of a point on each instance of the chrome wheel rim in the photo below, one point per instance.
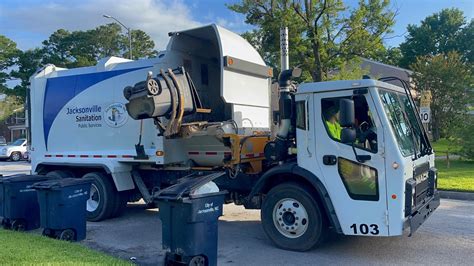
(94, 199)
(290, 218)
(16, 157)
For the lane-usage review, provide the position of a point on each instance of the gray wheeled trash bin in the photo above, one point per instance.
(189, 222)
(63, 207)
(19, 208)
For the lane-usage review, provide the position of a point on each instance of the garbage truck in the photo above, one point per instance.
(349, 156)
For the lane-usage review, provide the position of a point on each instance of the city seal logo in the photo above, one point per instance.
(116, 115)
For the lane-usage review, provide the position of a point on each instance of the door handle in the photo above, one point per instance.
(329, 159)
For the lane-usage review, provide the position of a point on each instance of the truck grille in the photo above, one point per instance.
(419, 189)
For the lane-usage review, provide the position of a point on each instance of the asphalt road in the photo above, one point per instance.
(446, 238)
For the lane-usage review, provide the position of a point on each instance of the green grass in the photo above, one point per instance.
(31, 249)
(459, 176)
(441, 147)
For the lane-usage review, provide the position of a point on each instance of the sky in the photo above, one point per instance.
(29, 22)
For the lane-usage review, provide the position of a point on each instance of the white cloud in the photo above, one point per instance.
(155, 17)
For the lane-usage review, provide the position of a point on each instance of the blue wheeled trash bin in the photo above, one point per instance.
(18, 202)
(189, 221)
(63, 207)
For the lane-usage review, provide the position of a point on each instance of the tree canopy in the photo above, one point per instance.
(450, 80)
(439, 33)
(324, 35)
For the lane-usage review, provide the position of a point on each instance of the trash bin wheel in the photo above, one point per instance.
(18, 225)
(197, 261)
(47, 232)
(292, 218)
(67, 235)
(102, 197)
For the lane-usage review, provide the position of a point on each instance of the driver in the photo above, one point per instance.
(331, 114)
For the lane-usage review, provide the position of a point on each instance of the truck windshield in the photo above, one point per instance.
(402, 119)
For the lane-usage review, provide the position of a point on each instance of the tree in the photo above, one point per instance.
(142, 45)
(449, 79)
(8, 56)
(8, 106)
(27, 64)
(466, 138)
(439, 33)
(324, 35)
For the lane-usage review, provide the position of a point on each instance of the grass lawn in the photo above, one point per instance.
(441, 147)
(459, 177)
(31, 249)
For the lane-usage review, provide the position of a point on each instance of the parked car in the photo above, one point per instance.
(3, 141)
(14, 151)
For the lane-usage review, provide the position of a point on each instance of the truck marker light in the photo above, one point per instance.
(160, 153)
(395, 165)
(71, 156)
(97, 156)
(59, 155)
(394, 196)
(111, 156)
(127, 156)
(83, 156)
(230, 61)
(47, 155)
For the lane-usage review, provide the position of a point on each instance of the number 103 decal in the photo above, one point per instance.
(365, 229)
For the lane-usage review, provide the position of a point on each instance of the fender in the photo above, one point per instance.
(293, 169)
(120, 175)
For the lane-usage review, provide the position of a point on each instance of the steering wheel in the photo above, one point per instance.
(367, 133)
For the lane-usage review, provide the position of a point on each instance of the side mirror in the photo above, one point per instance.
(347, 113)
(348, 135)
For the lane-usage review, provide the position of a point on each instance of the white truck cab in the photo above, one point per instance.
(368, 179)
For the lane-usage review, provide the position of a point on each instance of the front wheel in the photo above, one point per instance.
(15, 156)
(292, 219)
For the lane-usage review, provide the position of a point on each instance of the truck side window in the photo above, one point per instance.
(301, 115)
(360, 180)
(365, 127)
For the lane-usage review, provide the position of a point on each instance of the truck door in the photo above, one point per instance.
(356, 187)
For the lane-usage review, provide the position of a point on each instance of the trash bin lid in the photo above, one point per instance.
(24, 178)
(60, 183)
(185, 186)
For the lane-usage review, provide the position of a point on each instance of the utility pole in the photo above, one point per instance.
(129, 33)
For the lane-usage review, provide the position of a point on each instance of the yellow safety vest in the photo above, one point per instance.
(334, 129)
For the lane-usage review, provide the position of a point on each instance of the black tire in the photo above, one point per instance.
(312, 228)
(67, 235)
(15, 156)
(60, 174)
(18, 225)
(121, 201)
(103, 197)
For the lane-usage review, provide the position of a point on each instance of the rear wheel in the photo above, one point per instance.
(15, 156)
(292, 219)
(102, 197)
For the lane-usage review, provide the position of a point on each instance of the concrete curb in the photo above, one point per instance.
(456, 195)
